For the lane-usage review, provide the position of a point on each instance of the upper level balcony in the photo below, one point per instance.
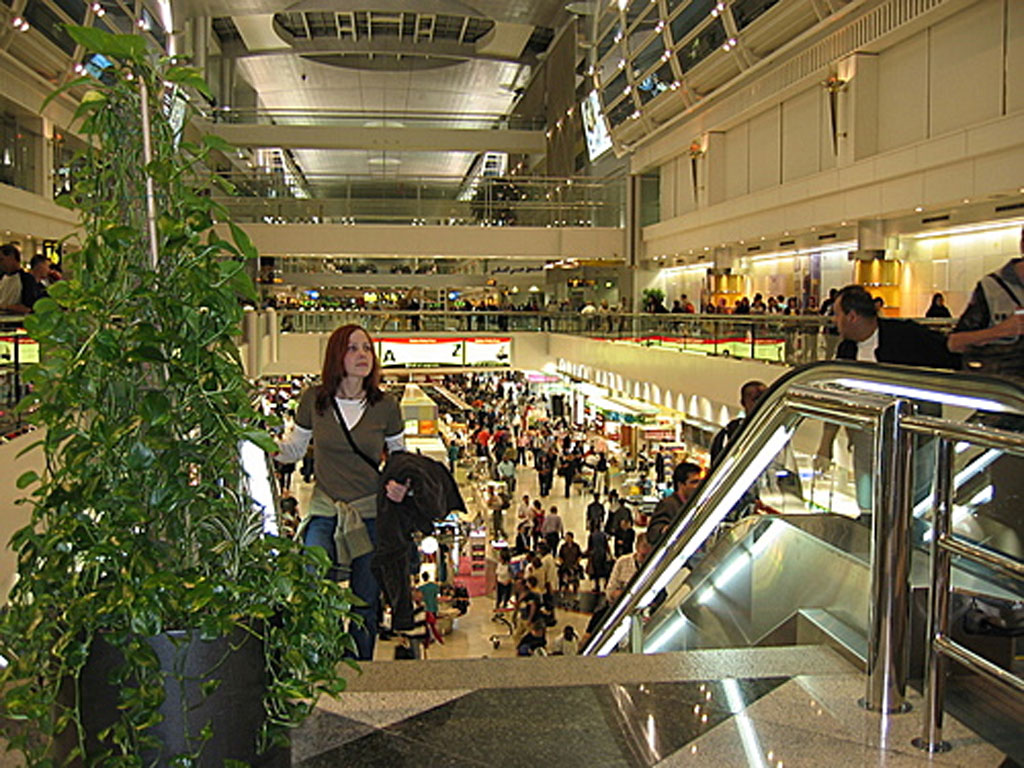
(281, 197)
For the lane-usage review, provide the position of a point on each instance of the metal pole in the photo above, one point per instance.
(636, 633)
(147, 158)
(889, 610)
(938, 609)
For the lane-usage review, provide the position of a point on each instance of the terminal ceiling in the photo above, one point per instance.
(385, 60)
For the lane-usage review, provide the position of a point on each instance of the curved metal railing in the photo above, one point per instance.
(857, 395)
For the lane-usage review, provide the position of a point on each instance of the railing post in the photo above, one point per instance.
(274, 330)
(938, 606)
(636, 633)
(889, 609)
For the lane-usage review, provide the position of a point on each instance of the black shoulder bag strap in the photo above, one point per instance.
(1005, 287)
(344, 428)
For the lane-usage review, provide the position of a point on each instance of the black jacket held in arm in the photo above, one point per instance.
(432, 495)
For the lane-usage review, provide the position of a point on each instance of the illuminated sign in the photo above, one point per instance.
(51, 250)
(488, 351)
(436, 353)
(595, 127)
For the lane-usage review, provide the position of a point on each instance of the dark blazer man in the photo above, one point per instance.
(868, 337)
(902, 342)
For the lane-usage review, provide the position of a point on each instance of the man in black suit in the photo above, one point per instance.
(870, 338)
(866, 336)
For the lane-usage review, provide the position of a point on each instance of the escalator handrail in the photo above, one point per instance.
(868, 383)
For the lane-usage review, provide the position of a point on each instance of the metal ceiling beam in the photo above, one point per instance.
(322, 46)
(390, 139)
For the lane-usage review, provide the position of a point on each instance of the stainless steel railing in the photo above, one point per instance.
(940, 647)
(858, 395)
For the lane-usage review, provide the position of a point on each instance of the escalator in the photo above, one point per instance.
(840, 558)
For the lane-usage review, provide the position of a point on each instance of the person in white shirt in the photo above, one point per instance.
(625, 569)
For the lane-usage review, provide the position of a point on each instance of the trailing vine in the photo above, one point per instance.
(141, 522)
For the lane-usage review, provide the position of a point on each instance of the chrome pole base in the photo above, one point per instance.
(903, 708)
(926, 746)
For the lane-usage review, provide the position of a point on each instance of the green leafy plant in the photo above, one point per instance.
(652, 297)
(141, 519)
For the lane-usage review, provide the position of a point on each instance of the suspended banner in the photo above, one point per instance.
(448, 352)
(489, 351)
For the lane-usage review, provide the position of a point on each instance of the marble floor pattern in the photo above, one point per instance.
(761, 722)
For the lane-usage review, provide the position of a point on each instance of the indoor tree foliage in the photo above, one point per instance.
(141, 522)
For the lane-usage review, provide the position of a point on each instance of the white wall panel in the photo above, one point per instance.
(801, 140)
(737, 160)
(667, 190)
(965, 68)
(903, 93)
(763, 143)
(1015, 56)
(686, 200)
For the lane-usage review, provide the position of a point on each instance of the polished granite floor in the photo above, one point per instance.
(757, 721)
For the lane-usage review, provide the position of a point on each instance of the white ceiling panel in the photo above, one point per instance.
(287, 81)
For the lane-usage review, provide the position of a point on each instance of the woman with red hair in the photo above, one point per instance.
(352, 424)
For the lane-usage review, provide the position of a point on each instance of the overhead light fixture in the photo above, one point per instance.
(966, 229)
(915, 393)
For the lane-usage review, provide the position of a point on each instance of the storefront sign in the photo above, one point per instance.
(659, 435)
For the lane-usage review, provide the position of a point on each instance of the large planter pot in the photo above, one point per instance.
(234, 710)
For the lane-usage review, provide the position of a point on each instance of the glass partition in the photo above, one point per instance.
(786, 340)
(18, 144)
(273, 197)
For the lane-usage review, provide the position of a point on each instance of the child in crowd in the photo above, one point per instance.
(430, 590)
(533, 641)
(568, 644)
(417, 636)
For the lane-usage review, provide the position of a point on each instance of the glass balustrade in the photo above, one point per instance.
(788, 340)
(276, 197)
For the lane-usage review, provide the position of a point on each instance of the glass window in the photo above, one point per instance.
(688, 18)
(649, 56)
(635, 9)
(117, 20)
(650, 198)
(639, 34)
(745, 11)
(671, 5)
(609, 40)
(155, 28)
(702, 45)
(50, 25)
(614, 89)
(75, 9)
(621, 112)
(17, 152)
(656, 83)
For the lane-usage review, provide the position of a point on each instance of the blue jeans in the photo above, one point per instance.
(320, 533)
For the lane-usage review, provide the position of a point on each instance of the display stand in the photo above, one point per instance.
(477, 551)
